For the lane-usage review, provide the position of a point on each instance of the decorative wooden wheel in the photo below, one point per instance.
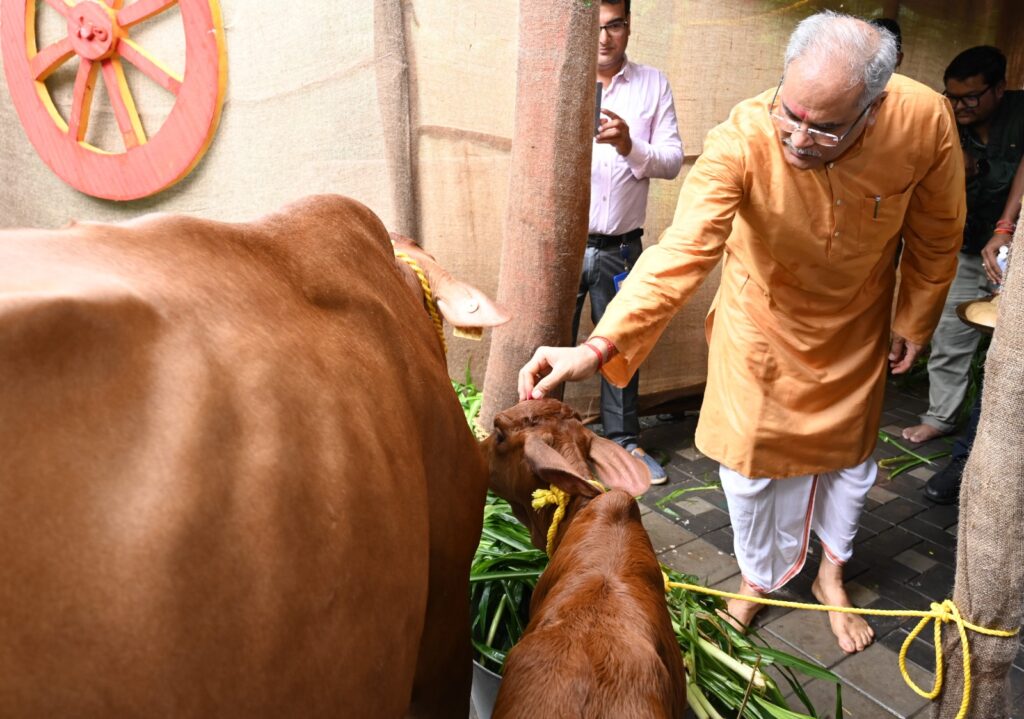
(98, 36)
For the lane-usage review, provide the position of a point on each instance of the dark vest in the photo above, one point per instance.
(997, 162)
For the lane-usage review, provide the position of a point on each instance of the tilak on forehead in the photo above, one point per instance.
(797, 110)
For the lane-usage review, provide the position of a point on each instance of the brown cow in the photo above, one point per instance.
(235, 480)
(600, 643)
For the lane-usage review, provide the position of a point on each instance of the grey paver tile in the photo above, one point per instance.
(810, 634)
(941, 515)
(873, 522)
(822, 694)
(875, 671)
(891, 542)
(920, 654)
(898, 510)
(944, 553)
(860, 595)
(915, 560)
(706, 522)
(881, 495)
(936, 583)
(928, 531)
(701, 559)
(722, 539)
(694, 505)
(691, 454)
(665, 533)
(922, 472)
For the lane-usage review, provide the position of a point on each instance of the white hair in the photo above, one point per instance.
(866, 52)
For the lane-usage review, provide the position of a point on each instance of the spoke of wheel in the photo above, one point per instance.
(61, 6)
(149, 65)
(124, 107)
(141, 10)
(44, 62)
(85, 81)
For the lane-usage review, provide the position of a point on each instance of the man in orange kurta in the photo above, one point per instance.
(805, 191)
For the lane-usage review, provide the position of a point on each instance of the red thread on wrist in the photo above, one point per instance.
(1002, 231)
(595, 350)
(1005, 223)
(610, 346)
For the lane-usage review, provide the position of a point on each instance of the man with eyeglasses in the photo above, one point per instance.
(638, 140)
(805, 190)
(991, 124)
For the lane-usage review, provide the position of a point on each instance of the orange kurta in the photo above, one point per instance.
(799, 329)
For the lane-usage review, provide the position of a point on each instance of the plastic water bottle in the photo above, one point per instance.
(1003, 261)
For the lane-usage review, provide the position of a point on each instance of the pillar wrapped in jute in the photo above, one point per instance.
(989, 586)
(549, 189)
(391, 68)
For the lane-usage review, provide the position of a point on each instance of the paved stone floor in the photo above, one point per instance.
(904, 558)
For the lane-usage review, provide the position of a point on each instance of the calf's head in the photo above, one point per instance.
(542, 442)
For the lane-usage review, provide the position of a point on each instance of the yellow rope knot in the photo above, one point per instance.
(428, 295)
(940, 613)
(556, 496)
(544, 497)
(947, 613)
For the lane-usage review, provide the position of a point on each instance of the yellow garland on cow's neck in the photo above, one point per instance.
(428, 296)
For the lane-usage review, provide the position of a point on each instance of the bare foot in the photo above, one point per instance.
(742, 612)
(920, 433)
(853, 633)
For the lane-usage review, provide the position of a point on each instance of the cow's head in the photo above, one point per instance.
(462, 305)
(542, 442)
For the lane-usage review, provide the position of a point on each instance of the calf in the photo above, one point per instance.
(600, 642)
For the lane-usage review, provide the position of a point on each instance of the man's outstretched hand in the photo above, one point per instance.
(902, 354)
(551, 366)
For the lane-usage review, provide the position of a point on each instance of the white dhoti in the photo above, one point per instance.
(772, 519)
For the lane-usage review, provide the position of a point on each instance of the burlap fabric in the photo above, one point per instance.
(990, 546)
(322, 99)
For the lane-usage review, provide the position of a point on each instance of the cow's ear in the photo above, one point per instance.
(618, 469)
(550, 467)
(461, 304)
(465, 306)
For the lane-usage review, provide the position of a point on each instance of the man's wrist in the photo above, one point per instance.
(596, 351)
(603, 346)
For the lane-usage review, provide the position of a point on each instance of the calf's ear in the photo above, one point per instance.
(550, 467)
(618, 469)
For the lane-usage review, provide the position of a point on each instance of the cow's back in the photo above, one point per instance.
(223, 451)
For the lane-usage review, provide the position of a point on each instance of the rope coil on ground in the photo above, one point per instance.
(940, 613)
(428, 295)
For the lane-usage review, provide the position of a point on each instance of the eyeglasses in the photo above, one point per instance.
(820, 137)
(969, 101)
(615, 27)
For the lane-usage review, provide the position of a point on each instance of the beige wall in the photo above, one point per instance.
(301, 116)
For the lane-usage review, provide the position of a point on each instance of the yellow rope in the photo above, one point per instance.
(427, 294)
(554, 495)
(945, 612)
(544, 497)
